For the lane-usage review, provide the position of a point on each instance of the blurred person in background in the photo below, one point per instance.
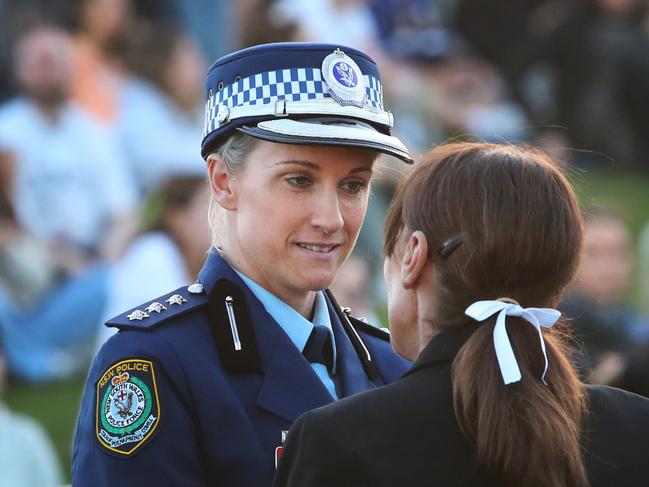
(636, 374)
(161, 114)
(101, 32)
(28, 458)
(583, 66)
(348, 22)
(258, 23)
(643, 266)
(604, 327)
(71, 186)
(492, 399)
(42, 292)
(352, 288)
(175, 232)
(68, 209)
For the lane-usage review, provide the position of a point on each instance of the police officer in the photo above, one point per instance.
(199, 386)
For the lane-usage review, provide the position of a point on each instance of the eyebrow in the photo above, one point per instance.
(316, 167)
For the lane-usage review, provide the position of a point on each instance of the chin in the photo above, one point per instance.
(318, 282)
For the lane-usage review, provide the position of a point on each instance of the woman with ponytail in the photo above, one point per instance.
(480, 242)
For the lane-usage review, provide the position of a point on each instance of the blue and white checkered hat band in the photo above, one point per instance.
(292, 85)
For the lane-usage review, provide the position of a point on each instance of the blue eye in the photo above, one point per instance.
(354, 187)
(299, 181)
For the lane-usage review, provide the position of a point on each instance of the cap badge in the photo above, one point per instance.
(344, 79)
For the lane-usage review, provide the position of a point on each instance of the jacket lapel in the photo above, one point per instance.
(289, 385)
(353, 378)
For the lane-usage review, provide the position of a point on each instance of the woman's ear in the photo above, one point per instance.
(414, 260)
(221, 182)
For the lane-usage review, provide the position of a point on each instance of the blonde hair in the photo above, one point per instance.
(233, 151)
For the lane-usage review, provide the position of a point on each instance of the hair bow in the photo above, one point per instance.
(537, 317)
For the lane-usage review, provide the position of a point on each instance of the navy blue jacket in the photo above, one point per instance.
(170, 402)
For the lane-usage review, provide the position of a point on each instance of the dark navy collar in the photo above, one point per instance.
(443, 347)
(215, 267)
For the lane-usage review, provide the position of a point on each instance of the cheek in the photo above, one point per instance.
(354, 214)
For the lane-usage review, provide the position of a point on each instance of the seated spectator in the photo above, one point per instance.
(168, 253)
(603, 325)
(28, 458)
(161, 114)
(43, 291)
(101, 30)
(71, 188)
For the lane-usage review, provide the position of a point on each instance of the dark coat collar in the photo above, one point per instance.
(443, 347)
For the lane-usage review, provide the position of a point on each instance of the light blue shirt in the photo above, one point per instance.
(296, 326)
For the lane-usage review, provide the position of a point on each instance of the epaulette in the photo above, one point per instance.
(171, 305)
(365, 327)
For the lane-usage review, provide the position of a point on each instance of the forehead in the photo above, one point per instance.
(271, 155)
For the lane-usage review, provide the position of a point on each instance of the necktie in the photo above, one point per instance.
(318, 347)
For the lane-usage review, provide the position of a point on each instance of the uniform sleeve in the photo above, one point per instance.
(312, 457)
(135, 425)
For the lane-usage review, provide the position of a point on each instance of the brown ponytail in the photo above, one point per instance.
(525, 433)
(521, 237)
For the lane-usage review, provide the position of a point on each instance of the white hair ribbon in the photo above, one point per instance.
(538, 317)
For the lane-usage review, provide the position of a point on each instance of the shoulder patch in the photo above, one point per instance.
(127, 411)
(382, 333)
(161, 309)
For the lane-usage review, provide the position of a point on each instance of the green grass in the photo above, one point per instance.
(55, 407)
(625, 193)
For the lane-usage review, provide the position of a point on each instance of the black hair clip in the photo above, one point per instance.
(450, 245)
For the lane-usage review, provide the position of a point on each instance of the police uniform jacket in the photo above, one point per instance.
(171, 401)
(406, 434)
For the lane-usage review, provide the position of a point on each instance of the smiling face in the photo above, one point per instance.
(294, 213)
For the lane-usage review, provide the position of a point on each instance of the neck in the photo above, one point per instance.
(300, 300)
(305, 306)
(426, 332)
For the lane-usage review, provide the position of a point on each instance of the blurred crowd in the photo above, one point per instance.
(103, 194)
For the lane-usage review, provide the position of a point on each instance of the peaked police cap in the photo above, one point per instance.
(299, 93)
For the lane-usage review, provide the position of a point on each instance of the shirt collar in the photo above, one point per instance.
(296, 326)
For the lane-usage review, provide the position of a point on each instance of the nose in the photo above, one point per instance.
(326, 214)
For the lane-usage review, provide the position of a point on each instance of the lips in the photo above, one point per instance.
(322, 248)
